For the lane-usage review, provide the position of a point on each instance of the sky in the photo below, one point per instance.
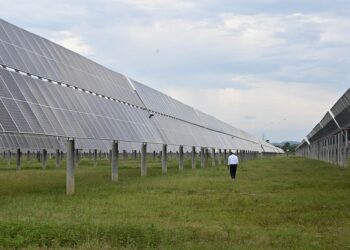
(272, 68)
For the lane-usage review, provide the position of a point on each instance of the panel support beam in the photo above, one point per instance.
(220, 157)
(58, 158)
(225, 156)
(125, 155)
(18, 159)
(193, 156)
(346, 148)
(95, 157)
(181, 158)
(70, 181)
(202, 157)
(144, 159)
(44, 159)
(9, 154)
(164, 158)
(115, 159)
(76, 157)
(206, 158)
(213, 160)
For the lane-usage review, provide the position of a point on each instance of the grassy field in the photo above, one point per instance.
(277, 203)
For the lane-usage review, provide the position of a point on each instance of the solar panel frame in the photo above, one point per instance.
(6, 121)
(16, 114)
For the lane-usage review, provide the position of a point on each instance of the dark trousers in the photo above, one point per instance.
(233, 169)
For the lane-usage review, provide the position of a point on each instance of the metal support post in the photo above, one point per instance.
(213, 160)
(18, 159)
(95, 157)
(58, 158)
(181, 158)
(44, 159)
(164, 158)
(114, 161)
(144, 159)
(202, 157)
(206, 158)
(193, 156)
(70, 181)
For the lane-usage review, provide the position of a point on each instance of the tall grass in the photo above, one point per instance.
(277, 203)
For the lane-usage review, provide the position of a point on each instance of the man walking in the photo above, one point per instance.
(233, 163)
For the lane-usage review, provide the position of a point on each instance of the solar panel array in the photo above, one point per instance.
(341, 110)
(336, 119)
(47, 90)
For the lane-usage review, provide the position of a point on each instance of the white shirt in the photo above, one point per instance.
(232, 160)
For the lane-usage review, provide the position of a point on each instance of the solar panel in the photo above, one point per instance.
(67, 95)
(70, 67)
(157, 101)
(17, 115)
(30, 117)
(6, 120)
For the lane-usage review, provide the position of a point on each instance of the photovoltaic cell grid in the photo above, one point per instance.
(341, 110)
(29, 105)
(36, 106)
(30, 53)
(328, 125)
(30, 142)
(157, 101)
(40, 142)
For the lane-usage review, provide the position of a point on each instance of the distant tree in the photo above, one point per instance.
(287, 147)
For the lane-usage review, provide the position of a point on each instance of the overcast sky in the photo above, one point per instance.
(266, 66)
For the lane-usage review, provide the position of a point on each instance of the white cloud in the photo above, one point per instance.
(158, 4)
(230, 38)
(265, 107)
(42, 11)
(73, 42)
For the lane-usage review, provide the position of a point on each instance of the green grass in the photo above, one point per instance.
(276, 203)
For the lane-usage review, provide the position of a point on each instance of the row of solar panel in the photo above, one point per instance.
(341, 110)
(328, 125)
(159, 102)
(31, 105)
(52, 143)
(32, 142)
(30, 53)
